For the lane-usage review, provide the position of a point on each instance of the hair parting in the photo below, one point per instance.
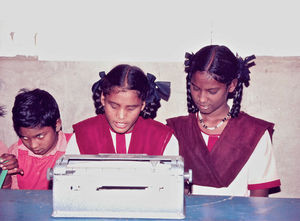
(127, 77)
(224, 67)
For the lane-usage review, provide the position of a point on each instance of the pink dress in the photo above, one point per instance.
(35, 166)
(3, 148)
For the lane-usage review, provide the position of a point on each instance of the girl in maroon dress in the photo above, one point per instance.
(126, 101)
(229, 152)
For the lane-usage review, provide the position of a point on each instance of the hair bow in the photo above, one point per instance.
(158, 90)
(188, 62)
(98, 83)
(249, 58)
(188, 58)
(244, 75)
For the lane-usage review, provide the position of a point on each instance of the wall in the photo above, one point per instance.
(272, 95)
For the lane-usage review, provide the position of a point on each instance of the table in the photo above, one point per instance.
(34, 205)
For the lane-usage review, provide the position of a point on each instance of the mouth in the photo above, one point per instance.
(120, 125)
(203, 107)
(37, 151)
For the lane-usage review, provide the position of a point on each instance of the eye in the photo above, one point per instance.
(40, 136)
(114, 106)
(212, 91)
(24, 138)
(131, 108)
(195, 88)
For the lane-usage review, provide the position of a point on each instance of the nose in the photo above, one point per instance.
(121, 114)
(202, 97)
(34, 144)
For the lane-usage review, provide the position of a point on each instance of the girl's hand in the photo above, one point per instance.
(9, 162)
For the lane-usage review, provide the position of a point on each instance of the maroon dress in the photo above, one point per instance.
(220, 166)
(148, 136)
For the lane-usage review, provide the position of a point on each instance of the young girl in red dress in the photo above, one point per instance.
(126, 101)
(229, 151)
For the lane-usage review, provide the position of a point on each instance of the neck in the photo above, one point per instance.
(216, 116)
(216, 124)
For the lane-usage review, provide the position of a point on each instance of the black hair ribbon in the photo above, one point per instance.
(189, 57)
(249, 58)
(244, 65)
(97, 84)
(158, 90)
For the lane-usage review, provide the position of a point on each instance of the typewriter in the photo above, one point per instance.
(119, 186)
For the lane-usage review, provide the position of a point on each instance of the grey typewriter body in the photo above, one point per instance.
(118, 185)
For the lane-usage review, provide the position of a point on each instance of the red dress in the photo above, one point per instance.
(148, 136)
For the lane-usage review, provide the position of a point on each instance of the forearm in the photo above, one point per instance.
(259, 193)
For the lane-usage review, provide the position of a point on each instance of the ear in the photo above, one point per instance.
(58, 125)
(143, 106)
(102, 99)
(232, 85)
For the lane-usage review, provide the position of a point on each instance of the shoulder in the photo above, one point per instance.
(251, 125)
(244, 117)
(89, 121)
(3, 148)
(68, 136)
(181, 120)
(64, 137)
(153, 124)
(13, 149)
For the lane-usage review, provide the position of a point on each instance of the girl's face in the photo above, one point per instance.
(122, 109)
(40, 140)
(209, 95)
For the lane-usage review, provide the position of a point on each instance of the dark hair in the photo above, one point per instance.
(35, 108)
(129, 78)
(224, 67)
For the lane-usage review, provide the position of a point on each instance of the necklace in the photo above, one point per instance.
(215, 127)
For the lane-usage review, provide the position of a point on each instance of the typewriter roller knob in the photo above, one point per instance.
(49, 174)
(188, 176)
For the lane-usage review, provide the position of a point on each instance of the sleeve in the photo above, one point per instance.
(262, 166)
(13, 149)
(172, 148)
(72, 147)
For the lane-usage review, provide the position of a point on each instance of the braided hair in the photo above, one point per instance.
(224, 67)
(128, 78)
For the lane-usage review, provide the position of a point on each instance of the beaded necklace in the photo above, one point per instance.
(215, 127)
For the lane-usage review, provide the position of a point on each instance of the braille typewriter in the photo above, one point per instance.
(119, 185)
